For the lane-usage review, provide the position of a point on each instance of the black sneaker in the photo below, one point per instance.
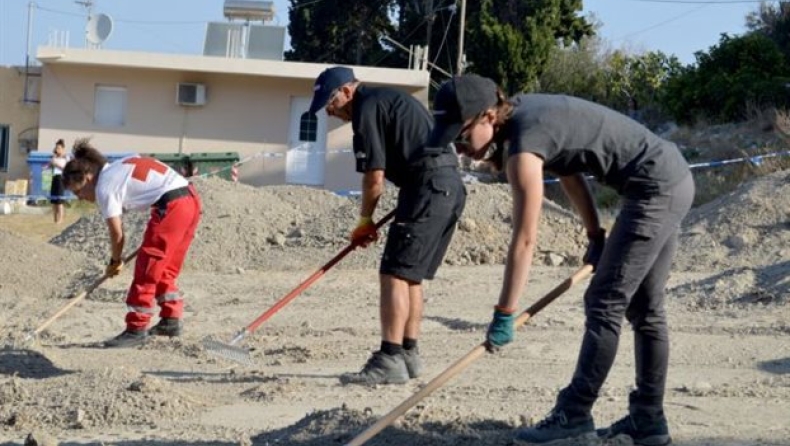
(643, 434)
(413, 362)
(129, 338)
(167, 326)
(381, 368)
(558, 429)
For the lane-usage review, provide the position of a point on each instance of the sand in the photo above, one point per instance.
(729, 381)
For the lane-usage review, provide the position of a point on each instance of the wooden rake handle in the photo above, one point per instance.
(76, 299)
(467, 359)
(310, 280)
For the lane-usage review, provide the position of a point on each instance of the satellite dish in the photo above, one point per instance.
(98, 29)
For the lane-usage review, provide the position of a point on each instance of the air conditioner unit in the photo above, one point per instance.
(190, 94)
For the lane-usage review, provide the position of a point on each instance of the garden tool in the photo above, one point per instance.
(241, 355)
(74, 301)
(465, 361)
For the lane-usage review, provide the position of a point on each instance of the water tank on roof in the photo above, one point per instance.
(266, 42)
(224, 39)
(248, 10)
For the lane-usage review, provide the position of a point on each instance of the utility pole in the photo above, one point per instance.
(428, 26)
(88, 4)
(461, 25)
(30, 7)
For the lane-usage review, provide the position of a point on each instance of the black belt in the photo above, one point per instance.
(171, 195)
(434, 162)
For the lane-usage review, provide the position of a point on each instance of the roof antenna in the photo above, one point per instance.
(98, 28)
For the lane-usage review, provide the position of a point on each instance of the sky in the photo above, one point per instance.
(679, 27)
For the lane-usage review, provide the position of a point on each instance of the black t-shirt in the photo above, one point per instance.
(577, 136)
(391, 128)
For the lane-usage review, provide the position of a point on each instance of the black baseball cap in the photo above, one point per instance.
(457, 100)
(328, 81)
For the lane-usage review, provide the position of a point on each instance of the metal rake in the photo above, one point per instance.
(233, 352)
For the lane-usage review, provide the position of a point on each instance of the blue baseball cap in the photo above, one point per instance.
(328, 81)
(457, 100)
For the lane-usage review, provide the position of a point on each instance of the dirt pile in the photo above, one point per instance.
(747, 228)
(421, 426)
(292, 227)
(745, 237)
(34, 269)
(87, 399)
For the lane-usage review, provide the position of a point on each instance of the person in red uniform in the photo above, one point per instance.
(134, 183)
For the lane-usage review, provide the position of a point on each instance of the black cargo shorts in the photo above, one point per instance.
(428, 209)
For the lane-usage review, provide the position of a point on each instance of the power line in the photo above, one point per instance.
(660, 24)
(444, 39)
(139, 22)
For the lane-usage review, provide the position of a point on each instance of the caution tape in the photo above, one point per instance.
(234, 168)
(753, 160)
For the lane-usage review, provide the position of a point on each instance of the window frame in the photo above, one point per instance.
(308, 127)
(103, 121)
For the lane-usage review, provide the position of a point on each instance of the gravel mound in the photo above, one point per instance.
(420, 427)
(112, 397)
(744, 237)
(294, 227)
(35, 269)
(749, 227)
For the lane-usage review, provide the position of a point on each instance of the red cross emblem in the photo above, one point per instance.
(143, 165)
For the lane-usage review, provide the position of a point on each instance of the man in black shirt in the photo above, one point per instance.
(390, 131)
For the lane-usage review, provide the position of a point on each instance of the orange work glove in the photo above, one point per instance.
(114, 268)
(365, 232)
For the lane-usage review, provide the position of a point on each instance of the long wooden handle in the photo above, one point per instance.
(76, 299)
(467, 359)
(308, 282)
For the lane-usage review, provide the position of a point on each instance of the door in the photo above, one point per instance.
(306, 157)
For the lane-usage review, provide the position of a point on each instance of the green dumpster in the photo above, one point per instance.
(178, 161)
(218, 164)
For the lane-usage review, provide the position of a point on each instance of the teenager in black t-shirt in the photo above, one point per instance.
(571, 138)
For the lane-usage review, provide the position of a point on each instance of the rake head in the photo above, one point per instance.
(227, 351)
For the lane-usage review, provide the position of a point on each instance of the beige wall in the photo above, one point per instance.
(20, 116)
(244, 113)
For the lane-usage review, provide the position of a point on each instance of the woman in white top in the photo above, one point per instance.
(134, 183)
(56, 190)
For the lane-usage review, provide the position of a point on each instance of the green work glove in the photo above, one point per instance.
(500, 330)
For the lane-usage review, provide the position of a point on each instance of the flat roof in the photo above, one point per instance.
(225, 65)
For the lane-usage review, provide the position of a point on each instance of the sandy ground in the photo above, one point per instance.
(729, 381)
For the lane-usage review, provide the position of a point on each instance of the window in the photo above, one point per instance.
(308, 127)
(5, 132)
(110, 106)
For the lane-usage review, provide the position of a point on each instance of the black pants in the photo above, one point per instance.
(629, 282)
(56, 190)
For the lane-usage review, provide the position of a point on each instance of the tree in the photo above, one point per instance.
(577, 70)
(511, 40)
(631, 83)
(338, 31)
(507, 40)
(738, 72)
(773, 21)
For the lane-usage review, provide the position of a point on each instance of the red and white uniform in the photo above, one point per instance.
(134, 183)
